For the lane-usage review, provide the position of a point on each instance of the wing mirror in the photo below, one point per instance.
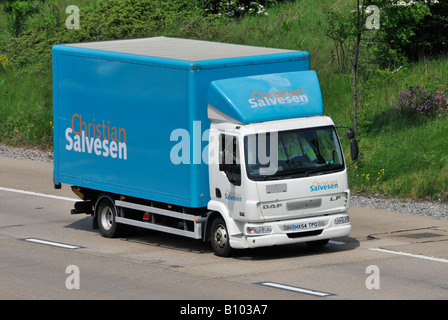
(354, 148)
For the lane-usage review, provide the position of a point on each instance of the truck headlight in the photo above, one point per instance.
(341, 220)
(259, 230)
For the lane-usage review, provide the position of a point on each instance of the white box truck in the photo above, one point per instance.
(221, 142)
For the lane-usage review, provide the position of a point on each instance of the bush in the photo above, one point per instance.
(19, 11)
(410, 29)
(431, 35)
(237, 8)
(416, 101)
(102, 20)
(4, 62)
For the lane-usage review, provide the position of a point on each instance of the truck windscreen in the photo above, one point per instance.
(293, 153)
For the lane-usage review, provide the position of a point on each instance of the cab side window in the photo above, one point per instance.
(230, 158)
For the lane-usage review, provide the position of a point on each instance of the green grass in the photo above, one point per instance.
(293, 25)
(404, 160)
(413, 154)
(26, 108)
(398, 157)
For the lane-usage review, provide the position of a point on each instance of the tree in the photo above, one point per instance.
(386, 47)
(409, 30)
(347, 30)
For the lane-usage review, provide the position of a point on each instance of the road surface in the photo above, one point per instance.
(46, 253)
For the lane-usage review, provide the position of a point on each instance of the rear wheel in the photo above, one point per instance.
(106, 214)
(220, 238)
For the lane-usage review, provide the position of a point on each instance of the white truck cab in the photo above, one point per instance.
(279, 181)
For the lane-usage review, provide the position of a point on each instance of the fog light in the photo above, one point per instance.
(259, 230)
(341, 220)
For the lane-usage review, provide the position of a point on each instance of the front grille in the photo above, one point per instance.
(304, 204)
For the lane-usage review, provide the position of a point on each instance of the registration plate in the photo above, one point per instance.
(304, 226)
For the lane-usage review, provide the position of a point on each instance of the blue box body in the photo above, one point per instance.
(128, 106)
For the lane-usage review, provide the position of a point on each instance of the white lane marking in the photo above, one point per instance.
(37, 194)
(52, 243)
(410, 255)
(295, 289)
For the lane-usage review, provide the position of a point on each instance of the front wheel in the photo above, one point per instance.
(220, 238)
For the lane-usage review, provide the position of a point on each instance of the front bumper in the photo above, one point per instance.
(293, 231)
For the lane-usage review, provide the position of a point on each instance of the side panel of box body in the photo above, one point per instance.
(113, 123)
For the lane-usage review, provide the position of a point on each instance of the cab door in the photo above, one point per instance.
(227, 180)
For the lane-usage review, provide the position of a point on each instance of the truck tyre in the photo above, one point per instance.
(220, 238)
(105, 214)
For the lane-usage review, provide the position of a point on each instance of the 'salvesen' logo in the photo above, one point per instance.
(324, 185)
(101, 138)
(233, 196)
(261, 99)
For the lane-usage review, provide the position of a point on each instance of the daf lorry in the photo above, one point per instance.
(220, 142)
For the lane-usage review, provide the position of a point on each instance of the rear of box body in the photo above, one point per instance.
(119, 118)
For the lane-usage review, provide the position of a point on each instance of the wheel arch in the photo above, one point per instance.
(101, 197)
(218, 209)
